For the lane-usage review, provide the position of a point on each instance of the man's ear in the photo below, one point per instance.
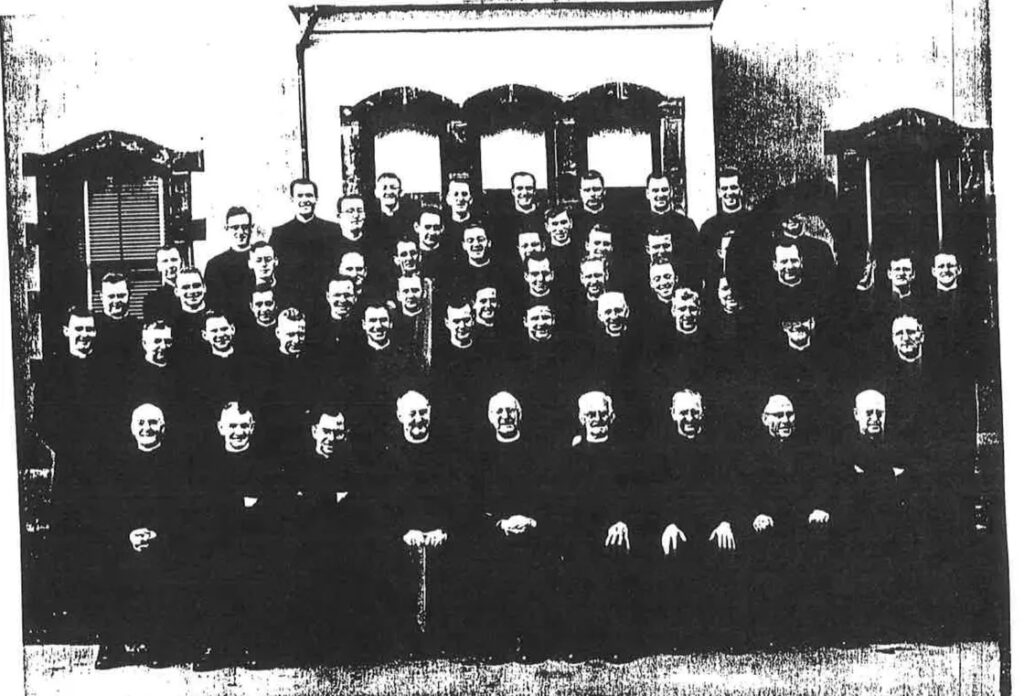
(65, 331)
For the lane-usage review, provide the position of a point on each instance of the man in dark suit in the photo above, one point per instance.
(187, 322)
(731, 220)
(305, 244)
(162, 302)
(117, 332)
(662, 216)
(227, 273)
(394, 215)
(255, 337)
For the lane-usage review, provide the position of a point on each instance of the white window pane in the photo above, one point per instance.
(505, 153)
(414, 157)
(622, 156)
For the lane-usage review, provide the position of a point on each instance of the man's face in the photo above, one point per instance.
(596, 416)
(907, 337)
(353, 266)
(219, 333)
(459, 321)
(688, 414)
(415, 418)
(191, 290)
(613, 312)
(263, 307)
(485, 305)
(291, 336)
(304, 200)
(388, 191)
(148, 427)
(168, 262)
(524, 190)
(539, 276)
(946, 270)
(659, 247)
(870, 414)
(730, 193)
(798, 332)
(81, 335)
(593, 278)
(779, 418)
(599, 243)
(539, 323)
(476, 244)
(725, 296)
(240, 229)
(410, 294)
(686, 310)
(236, 429)
(663, 280)
(559, 228)
(157, 344)
(459, 198)
(407, 258)
(901, 273)
(429, 228)
(263, 263)
(377, 325)
(659, 195)
(505, 417)
(788, 265)
(529, 243)
(794, 226)
(115, 299)
(352, 216)
(341, 296)
(328, 433)
(592, 194)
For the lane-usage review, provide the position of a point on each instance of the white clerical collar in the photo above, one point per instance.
(794, 346)
(912, 361)
(949, 288)
(154, 448)
(199, 310)
(349, 237)
(299, 218)
(378, 346)
(526, 211)
(680, 329)
(506, 440)
(562, 245)
(902, 295)
(224, 354)
(790, 285)
(154, 364)
(237, 451)
(474, 264)
(469, 344)
(406, 313)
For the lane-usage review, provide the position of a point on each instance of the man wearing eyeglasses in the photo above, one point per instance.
(228, 271)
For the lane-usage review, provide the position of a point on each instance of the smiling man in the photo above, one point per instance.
(227, 273)
(304, 244)
(117, 332)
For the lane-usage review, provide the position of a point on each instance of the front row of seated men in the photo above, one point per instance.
(501, 547)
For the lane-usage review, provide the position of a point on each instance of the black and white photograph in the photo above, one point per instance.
(507, 346)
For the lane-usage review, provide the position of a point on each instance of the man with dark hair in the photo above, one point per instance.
(353, 266)
(949, 313)
(459, 202)
(435, 246)
(255, 337)
(117, 332)
(524, 214)
(564, 246)
(681, 349)
(593, 209)
(190, 289)
(545, 368)
(462, 367)
(656, 307)
(407, 260)
(411, 319)
(154, 375)
(476, 267)
(222, 372)
(662, 216)
(336, 331)
(162, 303)
(227, 273)
(394, 216)
(594, 281)
(291, 382)
(305, 244)
(731, 220)
(263, 266)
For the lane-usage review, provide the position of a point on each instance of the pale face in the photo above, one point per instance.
(505, 416)
(539, 277)
(377, 325)
(794, 226)
(798, 333)
(659, 247)
(407, 258)
(613, 312)
(148, 427)
(901, 273)
(688, 414)
(341, 297)
(730, 193)
(328, 433)
(168, 262)
(662, 280)
(115, 299)
(592, 194)
(524, 191)
(539, 323)
(476, 244)
(779, 418)
(263, 263)
(263, 307)
(946, 270)
(353, 265)
(304, 200)
(593, 278)
(239, 227)
(236, 429)
(596, 417)
(291, 336)
(485, 305)
(686, 311)
(414, 415)
(870, 413)
(388, 191)
(429, 228)
(352, 216)
(157, 344)
(907, 337)
(725, 296)
(459, 322)
(529, 243)
(219, 333)
(559, 229)
(659, 195)
(599, 243)
(788, 265)
(191, 291)
(81, 335)
(459, 199)
(410, 294)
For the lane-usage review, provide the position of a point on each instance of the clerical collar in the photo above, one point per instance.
(460, 218)
(526, 211)
(794, 346)
(663, 212)
(916, 360)
(901, 295)
(155, 364)
(533, 294)
(567, 242)
(351, 238)
(237, 451)
(154, 448)
(951, 288)
(480, 322)
(597, 441)
(595, 212)
(305, 221)
(791, 285)
(506, 440)
(378, 346)
(469, 343)
(415, 442)
(390, 212)
(199, 310)
(406, 312)
(474, 264)
(737, 209)
(680, 329)
(223, 354)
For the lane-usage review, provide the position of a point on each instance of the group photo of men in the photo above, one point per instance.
(523, 431)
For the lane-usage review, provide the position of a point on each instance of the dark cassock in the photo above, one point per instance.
(714, 230)
(213, 380)
(164, 384)
(545, 376)
(289, 384)
(116, 339)
(305, 252)
(463, 379)
(161, 303)
(953, 328)
(333, 342)
(379, 377)
(687, 254)
(187, 329)
(612, 366)
(819, 261)
(255, 340)
(410, 333)
(227, 275)
(387, 226)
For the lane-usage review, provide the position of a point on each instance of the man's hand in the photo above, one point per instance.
(722, 536)
(516, 524)
(671, 538)
(140, 538)
(818, 517)
(435, 538)
(763, 522)
(413, 537)
(618, 535)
